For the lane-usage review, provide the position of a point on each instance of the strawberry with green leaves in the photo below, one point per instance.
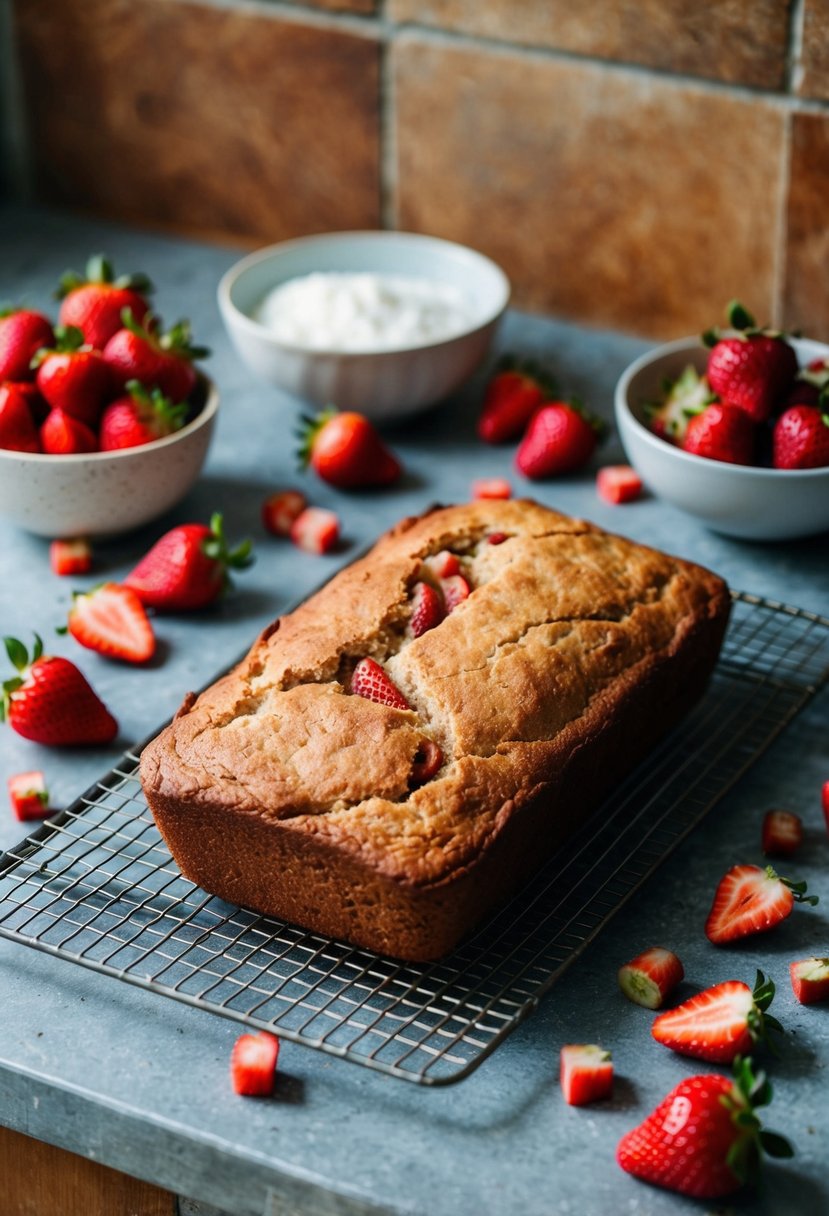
(73, 377)
(187, 568)
(752, 899)
(721, 1023)
(720, 432)
(139, 416)
(512, 396)
(800, 439)
(63, 435)
(94, 303)
(50, 701)
(22, 334)
(681, 399)
(345, 450)
(560, 438)
(29, 796)
(749, 367)
(157, 360)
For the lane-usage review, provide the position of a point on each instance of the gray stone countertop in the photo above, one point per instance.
(140, 1082)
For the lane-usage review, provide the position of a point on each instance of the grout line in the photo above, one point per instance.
(794, 58)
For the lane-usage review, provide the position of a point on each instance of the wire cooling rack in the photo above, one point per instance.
(97, 886)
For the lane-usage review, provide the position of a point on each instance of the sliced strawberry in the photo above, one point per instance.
(810, 980)
(720, 1023)
(497, 538)
(586, 1073)
(427, 609)
(253, 1064)
(618, 483)
(70, 556)
(782, 833)
(18, 432)
(427, 760)
(279, 511)
(750, 899)
(455, 590)
(63, 435)
(316, 530)
(29, 795)
(650, 977)
(370, 681)
(444, 564)
(491, 487)
(111, 620)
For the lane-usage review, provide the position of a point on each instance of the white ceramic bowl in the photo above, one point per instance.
(102, 493)
(384, 385)
(737, 500)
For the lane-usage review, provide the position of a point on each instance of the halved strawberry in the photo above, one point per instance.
(316, 530)
(618, 483)
(586, 1073)
(63, 435)
(648, 978)
(720, 1023)
(491, 487)
(369, 680)
(444, 564)
(253, 1064)
(427, 760)
(455, 590)
(750, 899)
(70, 556)
(810, 980)
(111, 620)
(427, 609)
(29, 795)
(782, 833)
(279, 510)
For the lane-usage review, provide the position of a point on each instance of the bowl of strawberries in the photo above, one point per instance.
(105, 419)
(733, 428)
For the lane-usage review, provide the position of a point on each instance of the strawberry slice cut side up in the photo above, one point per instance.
(750, 899)
(810, 980)
(455, 590)
(648, 979)
(721, 1023)
(369, 680)
(586, 1073)
(782, 833)
(111, 620)
(253, 1064)
(444, 564)
(427, 609)
(29, 795)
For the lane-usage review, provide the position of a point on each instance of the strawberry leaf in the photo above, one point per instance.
(775, 1145)
(739, 317)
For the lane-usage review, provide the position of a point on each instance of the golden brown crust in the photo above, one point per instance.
(280, 789)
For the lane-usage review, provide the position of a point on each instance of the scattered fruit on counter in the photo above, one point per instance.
(618, 483)
(810, 980)
(316, 530)
(50, 701)
(18, 431)
(29, 795)
(187, 568)
(586, 1073)
(749, 367)
(512, 396)
(751, 899)
(560, 438)
(345, 450)
(253, 1064)
(704, 1138)
(491, 487)
(94, 303)
(721, 1023)
(280, 509)
(800, 439)
(782, 833)
(369, 680)
(139, 416)
(649, 978)
(70, 556)
(162, 360)
(112, 620)
(22, 334)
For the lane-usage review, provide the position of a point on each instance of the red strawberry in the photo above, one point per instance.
(586, 1073)
(427, 609)
(253, 1064)
(428, 759)
(512, 396)
(497, 538)
(824, 799)
(29, 391)
(346, 451)
(316, 530)
(683, 397)
(750, 899)
(810, 980)
(94, 304)
(187, 567)
(617, 483)
(370, 681)
(491, 487)
(70, 556)
(111, 620)
(720, 1023)
(29, 796)
(50, 701)
(73, 377)
(560, 438)
(63, 435)
(811, 382)
(158, 360)
(782, 833)
(139, 417)
(279, 511)
(704, 1139)
(800, 439)
(721, 432)
(455, 590)
(22, 334)
(444, 564)
(18, 432)
(749, 368)
(650, 977)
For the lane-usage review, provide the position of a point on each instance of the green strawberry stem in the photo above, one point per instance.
(176, 340)
(154, 404)
(307, 433)
(751, 1090)
(798, 889)
(598, 424)
(99, 270)
(68, 339)
(215, 547)
(741, 325)
(19, 657)
(759, 1021)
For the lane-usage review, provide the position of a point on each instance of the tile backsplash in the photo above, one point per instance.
(630, 163)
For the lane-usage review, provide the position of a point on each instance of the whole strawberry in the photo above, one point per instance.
(720, 432)
(50, 701)
(704, 1138)
(63, 435)
(22, 334)
(94, 303)
(346, 451)
(139, 417)
(187, 568)
(512, 396)
(561, 437)
(71, 376)
(749, 367)
(800, 439)
(18, 432)
(157, 360)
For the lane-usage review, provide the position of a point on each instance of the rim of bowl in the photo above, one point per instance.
(207, 412)
(238, 269)
(690, 458)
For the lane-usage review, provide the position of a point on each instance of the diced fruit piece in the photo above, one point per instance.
(721, 432)
(455, 590)
(703, 1139)
(618, 483)
(560, 438)
(497, 538)
(428, 759)
(187, 568)
(279, 511)
(63, 435)
(512, 396)
(586, 1073)
(810, 980)
(29, 796)
(683, 398)
(369, 680)
(749, 368)
(50, 701)
(782, 833)
(22, 334)
(94, 303)
(750, 899)
(720, 1023)
(651, 976)
(253, 1064)
(138, 417)
(346, 451)
(157, 360)
(491, 487)
(73, 377)
(800, 439)
(70, 556)
(111, 620)
(316, 530)
(18, 432)
(444, 564)
(427, 609)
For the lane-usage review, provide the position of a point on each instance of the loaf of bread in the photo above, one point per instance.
(287, 789)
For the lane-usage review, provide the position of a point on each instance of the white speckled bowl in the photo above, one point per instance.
(103, 493)
(384, 385)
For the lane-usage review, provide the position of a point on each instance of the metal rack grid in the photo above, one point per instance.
(97, 886)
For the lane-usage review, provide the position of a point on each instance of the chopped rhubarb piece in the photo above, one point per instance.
(782, 833)
(427, 609)
(29, 796)
(427, 760)
(70, 556)
(253, 1064)
(316, 530)
(455, 590)
(496, 538)
(370, 681)
(279, 511)
(810, 980)
(491, 487)
(444, 564)
(617, 483)
(586, 1073)
(650, 977)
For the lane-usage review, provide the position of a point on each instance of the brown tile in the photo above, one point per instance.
(741, 41)
(224, 123)
(805, 302)
(815, 53)
(367, 7)
(607, 197)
